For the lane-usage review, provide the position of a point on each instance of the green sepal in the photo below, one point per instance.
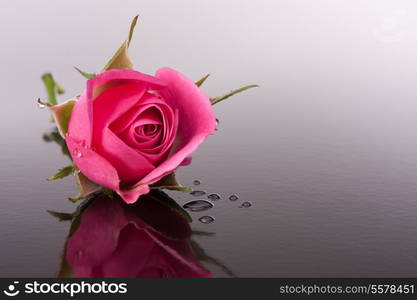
(202, 80)
(121, 59)
(62, 114)
(85, 187)
(234, 92)
(170, 182)
(61, 216)
(85, 74)
(62, 173)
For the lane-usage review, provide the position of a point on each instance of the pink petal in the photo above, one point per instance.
(92, 165)
(131, 166)
(187, 161)
(196, 120)
(132, 195)
(81, 122)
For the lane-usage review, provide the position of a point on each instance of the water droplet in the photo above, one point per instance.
(214, 197)
(246, 204)
(217, 125)
(206, 219)
(198, 193)
(77, 153)
(197, 182)
(198, 205)
(80, 253)
(41, 104)
(233, 198)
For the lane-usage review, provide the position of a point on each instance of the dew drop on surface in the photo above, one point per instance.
(198, 193)
(214, 197)
(206, 219)
(196, 182)
(77, 153)
(80, 253)
(246, 204)
(233, 198)
(198, 205)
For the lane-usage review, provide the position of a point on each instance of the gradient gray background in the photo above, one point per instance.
(325, 149)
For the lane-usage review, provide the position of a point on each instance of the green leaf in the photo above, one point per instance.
(121, 59)
(61, 216)
(61, 114)
(177, 188)
(85, 74)
(234, 92)
(202, 80)
(64, 172)
(85, 186)
(52, 88)
(170, 182)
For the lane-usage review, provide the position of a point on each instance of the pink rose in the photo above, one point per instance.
(129, 130)
(146, 239)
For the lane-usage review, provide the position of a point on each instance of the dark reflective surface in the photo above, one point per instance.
(151, 238)
(325, 150)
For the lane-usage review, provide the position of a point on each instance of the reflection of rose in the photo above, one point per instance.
(128, 129)
(147, 239)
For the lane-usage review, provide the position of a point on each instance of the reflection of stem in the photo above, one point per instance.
(203, 256)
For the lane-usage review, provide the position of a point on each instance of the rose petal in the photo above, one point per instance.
(81, 121)
(92, 165)
(132, 195)
(196, 117)
(103, 81)
(131, 166)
